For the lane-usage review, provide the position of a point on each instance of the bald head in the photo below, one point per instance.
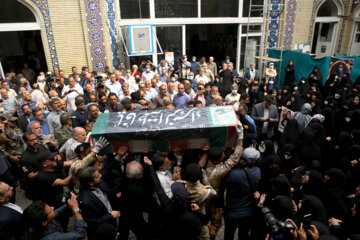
(79, 134)
(134, 170)
(6, 193)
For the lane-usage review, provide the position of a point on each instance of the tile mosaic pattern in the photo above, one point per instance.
(96, 34)
(274, 22)
(342, 29)
(289, 24)
(113, 33)
(316, 5)
(42, 5)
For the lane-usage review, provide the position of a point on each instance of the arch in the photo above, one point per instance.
(338, 4)
(356, 13)
(15, 12)
(31, 8)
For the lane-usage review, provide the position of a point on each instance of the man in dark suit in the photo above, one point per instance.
(94, 201)
(26, 118)
(251, 74)
(11, 219)
(266, 117)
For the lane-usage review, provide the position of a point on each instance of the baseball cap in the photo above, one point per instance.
(64, 116)
(10, 117)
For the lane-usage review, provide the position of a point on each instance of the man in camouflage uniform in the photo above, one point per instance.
(198, 193)
(216, 168)
(65, 132)
(14, 145)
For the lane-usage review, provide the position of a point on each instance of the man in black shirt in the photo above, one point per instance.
(31, 160)
(51, 179)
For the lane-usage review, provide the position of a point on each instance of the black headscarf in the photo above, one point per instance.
(282, 207)
(281, 186)
(308, 149)
(336, 188)
(291, 133)
(313, 205)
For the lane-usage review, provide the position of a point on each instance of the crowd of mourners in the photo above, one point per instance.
(294, 172)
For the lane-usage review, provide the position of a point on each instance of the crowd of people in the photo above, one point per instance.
(294, 172)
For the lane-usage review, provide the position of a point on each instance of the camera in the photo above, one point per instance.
(66, 196)
(278, 229)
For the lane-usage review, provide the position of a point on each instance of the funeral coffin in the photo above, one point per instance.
(168, 129)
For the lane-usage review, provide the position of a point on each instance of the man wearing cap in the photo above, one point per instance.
(65, 132)
(53, 118)
(241, 194)
(51, 180)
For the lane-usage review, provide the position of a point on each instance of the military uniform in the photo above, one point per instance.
(51, 148)
(200, 194)
(14, 145)
(215, 173)
(62, 135)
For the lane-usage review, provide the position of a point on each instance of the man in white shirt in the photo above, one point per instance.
(147, 74)
(67, 151)
(171, 90)
(150, 92)
(131, 81)
(125, 92)
(202, 76)
(70, 92)
(113, 85)
(162, 166)
(234, 96)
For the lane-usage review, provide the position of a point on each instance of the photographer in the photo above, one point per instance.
(71, 91)
(182, 68)
(43, 220)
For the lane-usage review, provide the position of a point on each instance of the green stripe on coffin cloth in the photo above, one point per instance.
(167, 129)
(99, 129)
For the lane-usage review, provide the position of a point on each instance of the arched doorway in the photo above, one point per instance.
(355, 40)
(326, 29)
(20, 38)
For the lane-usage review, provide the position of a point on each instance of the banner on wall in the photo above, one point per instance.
(304, 64)
(340, 66)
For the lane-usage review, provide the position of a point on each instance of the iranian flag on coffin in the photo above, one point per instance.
(168, 129)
